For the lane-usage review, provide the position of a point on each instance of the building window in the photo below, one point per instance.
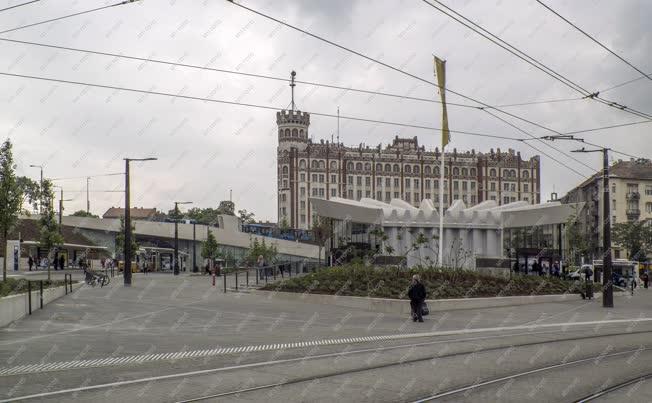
(303, 191)
(472, 199)
(303, 177)
(456, 196)
(388, 182)
(350, 194)
(396, 195)
(314, 191)
(492, 186)
(472, 185)
(303, 204)
(379, 181)
(367, 166)
(512, 199)
(616, 253)
(506, 186)
(302, 164)
(427, 185)
(379, 195)
(350, 179)
(456, 185)
(303, 218)
(367, 194)
(359, 194)
(285, 183)
(436, 184)
(321, 178)
(526, 187)
(321, 192)
(506, 200)
(526, 199)
(456, 171)
(396, 184)
(465, 172)
(367, 181)
(492, 173)
(314, 177)
(396, 168)
(379, 167)
(333, 178)
(407, 197)
(283, 197)
(464, 199)
(648, 207)
(388, 196)
(388, 168)
(333, 165)
(492, 197)
(408, 169)
(407, 182)
(464, 185)
(416, 197)
(513, 187)
(333, 192)
(416, 183)
(427, 170)
(359, 180)
(472, 172)
(428, 195)
(358, 166)
(648, 190)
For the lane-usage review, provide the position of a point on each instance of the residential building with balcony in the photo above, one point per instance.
(630, 196)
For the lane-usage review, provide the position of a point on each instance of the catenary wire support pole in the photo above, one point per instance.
(127, 234)
(607, 281)
(176, 236)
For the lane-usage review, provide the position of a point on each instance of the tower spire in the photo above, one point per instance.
(292, 85)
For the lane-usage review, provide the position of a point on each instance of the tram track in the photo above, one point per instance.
(337, 373)
(431, 357)
(614, 388)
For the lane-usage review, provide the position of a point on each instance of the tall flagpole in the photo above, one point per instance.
(440, 74)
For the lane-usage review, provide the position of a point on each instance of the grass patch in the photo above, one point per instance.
(362, 281)
(18, 286)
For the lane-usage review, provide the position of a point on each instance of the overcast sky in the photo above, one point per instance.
(205, 148)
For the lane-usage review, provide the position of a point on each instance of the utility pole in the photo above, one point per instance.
(194, 247)
(607, 269)
(176, 236)
(127, 245)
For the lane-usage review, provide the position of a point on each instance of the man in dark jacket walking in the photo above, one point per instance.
(417, 294)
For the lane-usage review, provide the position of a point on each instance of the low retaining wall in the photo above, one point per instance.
(403, 306)
(14, 307)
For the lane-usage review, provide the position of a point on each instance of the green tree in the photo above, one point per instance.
(246, 217)
(210, 249)
(83, 213)
(120, 238)
(226, 207)
(50, 232)
(577, 241)
(11, 198)
(31, 190)
(321, 230)
(635, 236)
(283, 225)
(258, 248)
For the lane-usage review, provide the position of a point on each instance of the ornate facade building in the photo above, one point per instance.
(402, 170)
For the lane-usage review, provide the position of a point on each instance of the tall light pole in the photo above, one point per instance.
(176, 236)
(127, 246)
(41, 185)
(61, 200)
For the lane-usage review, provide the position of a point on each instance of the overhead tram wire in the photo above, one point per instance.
(593, 39)
(529, 59)
(526, 142)
(329, 115)
(313, 83)
(19, 5)
(121, 3)
(206, 68)
(396, 69)
(87, 176)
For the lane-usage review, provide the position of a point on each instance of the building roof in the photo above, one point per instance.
(486, 214)
(632, 169)
(137, 213)
(28, 230)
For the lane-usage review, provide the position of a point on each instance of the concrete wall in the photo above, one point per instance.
(16, 306)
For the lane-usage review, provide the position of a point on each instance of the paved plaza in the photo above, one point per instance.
(169, 338)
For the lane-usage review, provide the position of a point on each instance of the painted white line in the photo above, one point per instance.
(260, 364)
(231, 350)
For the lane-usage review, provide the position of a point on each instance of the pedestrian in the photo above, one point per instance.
(30, 263)
(646, 279)
(261, 264)
(417, 294)
(555, 269)
(62, 261)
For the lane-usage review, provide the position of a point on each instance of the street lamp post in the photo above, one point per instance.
(176, 237)
(127, 245)
(41, 185)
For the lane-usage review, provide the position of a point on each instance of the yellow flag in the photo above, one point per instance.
(440, 73)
